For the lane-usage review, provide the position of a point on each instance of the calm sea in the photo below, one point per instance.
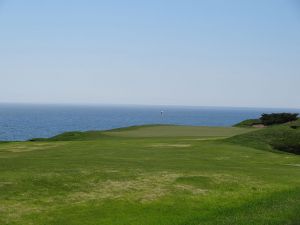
(22, 122)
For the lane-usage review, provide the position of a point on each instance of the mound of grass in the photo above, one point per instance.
(283, 138)
(294, 124)
(74, 136)
(89, 135)
(248, 123)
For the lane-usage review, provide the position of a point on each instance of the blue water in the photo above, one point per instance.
(22, 122)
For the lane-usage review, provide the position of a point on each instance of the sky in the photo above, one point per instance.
(158, 52)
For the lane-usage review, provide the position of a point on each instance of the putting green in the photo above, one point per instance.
(178, 131)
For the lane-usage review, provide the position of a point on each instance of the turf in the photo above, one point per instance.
(248, 123)
(153, 175)
(177, 131)
(284, 137)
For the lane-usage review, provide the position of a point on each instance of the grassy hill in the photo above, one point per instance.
(285, 137)
(151, 175)
(248, 123)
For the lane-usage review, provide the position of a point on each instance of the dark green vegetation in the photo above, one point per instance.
(153, 175)
(278, 118)
(270, 119)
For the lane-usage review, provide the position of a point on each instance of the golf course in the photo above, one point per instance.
(161, 112)
(152, 175)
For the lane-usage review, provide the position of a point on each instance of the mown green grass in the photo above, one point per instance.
(137, 177)
(177, 131)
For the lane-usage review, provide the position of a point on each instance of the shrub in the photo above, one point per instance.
(278, 118)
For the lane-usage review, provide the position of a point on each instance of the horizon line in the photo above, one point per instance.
(141, 105)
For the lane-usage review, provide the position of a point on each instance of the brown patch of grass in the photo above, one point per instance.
(17, 148)
(11, 211)
(165, 145)
(192, 189)
(145, 188)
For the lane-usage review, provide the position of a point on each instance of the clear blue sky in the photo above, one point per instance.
(170, 52)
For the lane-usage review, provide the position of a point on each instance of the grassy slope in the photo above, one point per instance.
(248, 123)
(284, 137)
(147, 181)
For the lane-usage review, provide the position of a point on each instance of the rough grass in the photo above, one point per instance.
(280, 137)
(134, 180)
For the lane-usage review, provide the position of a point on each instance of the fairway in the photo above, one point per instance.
(152, 175)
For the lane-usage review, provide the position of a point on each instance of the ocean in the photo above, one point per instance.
(20, 122)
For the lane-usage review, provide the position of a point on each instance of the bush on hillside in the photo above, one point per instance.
(278, 118)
